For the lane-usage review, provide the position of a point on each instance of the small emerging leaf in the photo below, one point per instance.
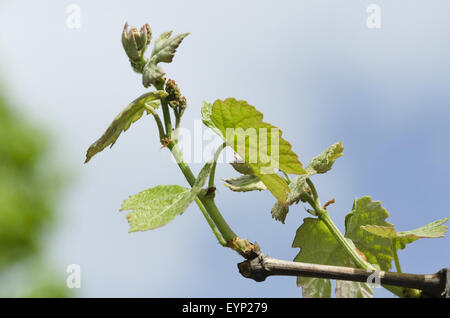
(241, 167)
(158, 206)
(166, 46)
(163, 51)
(434, 229)
(296, 187)
(245, 183)
(367, 212)
(319, 164)
(151, 73)
(252, 139)
(323, 162)
(206, 112)
(123, 121)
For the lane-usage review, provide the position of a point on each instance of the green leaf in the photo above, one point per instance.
(158, 206)
(163, 51)
(241, 167)
(314, 287)
(245, 183)
(296, 188)
(318, 246)
(166, 46)
(349, 289)
(319, 164)
(434, 229)
(123, 121)
(151, 73)
(206, 112)
(323, 162)
(241, 126)
(367, 212)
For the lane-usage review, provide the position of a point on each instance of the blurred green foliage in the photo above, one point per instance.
(29, 187)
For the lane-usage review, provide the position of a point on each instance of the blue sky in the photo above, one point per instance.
(312, 67)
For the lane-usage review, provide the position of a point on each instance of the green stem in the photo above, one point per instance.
(213, 168)
(166, 111)
(187, 172)
(394, 251)
(207, 202)
(211, 223)
(313, 189)
(323, 215)
(167, 120)
(177, 118)
(217, 217)
(158, 123)
(357, 259)
(287, 177)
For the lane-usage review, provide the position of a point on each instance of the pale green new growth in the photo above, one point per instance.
(367, 212)
(247, 127)
(123, 121)
(296, 187)
(434, 229)
(245, 183)
(166, 46)
(323, 162)
(158, 206)
(241, 167)
(319, 164)
(318, 246)
(163, 51)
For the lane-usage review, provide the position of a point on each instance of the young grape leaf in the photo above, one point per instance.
(297, 187)
(319, 164)
(323, 162)
(151, 73)
(163, 51)
(245, 183)
(166, 46)
(258, 143)
(432, 230)
(123, 121)
(241, 167)
(158, 206)
(349, 289)
(318, 246)
(367, 212)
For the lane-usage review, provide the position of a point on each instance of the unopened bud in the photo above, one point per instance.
(143, 38)
(135, 42)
